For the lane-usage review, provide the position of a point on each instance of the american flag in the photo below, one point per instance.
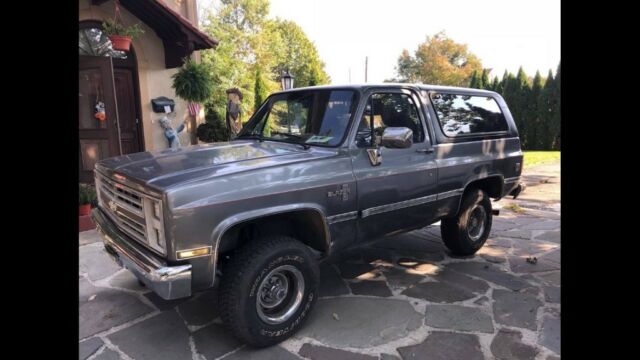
(194, 108)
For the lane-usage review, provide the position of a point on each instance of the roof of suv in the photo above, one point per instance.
(427, 87)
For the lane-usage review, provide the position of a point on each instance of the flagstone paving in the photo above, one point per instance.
(403, 297)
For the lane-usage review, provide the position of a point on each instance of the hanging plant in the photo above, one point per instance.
(194, 84)
(121, 35)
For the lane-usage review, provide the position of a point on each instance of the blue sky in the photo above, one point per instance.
(504, 34)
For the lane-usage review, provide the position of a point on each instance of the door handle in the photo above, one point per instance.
(426, 151)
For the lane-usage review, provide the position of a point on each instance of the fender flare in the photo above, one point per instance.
(473, 179)
(228, 223)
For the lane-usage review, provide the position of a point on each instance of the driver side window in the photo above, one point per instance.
(389, 110)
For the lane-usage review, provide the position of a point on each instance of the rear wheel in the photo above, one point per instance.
(268, 288)
(467, 232)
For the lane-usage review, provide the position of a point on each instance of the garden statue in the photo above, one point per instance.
(233, 112)
(171, 133)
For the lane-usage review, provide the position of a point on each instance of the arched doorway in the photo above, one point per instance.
(109, 106)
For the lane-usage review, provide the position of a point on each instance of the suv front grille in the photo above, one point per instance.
(129, 209)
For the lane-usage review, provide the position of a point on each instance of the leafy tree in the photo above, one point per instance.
(439, 60)
(407, 68)
(252, 46)
(297, 54)
(236, 24)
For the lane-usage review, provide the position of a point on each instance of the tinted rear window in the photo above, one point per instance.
(466, 114)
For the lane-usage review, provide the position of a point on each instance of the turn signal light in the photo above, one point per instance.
(185, 254)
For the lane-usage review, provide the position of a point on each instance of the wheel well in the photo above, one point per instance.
(307, 226)
(491, 185)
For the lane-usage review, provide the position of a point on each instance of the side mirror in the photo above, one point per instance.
(397, 138)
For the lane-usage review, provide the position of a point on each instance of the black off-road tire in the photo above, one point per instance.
(455, 231)
(242, 276)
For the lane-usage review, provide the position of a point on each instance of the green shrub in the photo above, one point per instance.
(214, 129)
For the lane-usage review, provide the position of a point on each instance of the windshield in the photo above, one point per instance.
(314, 117)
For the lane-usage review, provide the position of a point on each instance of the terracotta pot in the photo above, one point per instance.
(119, 42)
(84, 209)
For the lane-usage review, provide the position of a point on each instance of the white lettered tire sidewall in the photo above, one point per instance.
(244, 275)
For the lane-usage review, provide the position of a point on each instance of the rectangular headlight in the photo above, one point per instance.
(155, 228)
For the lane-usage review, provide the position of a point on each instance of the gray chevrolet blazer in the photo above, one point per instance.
(315, 171)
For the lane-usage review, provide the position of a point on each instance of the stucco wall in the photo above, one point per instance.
(154, 79)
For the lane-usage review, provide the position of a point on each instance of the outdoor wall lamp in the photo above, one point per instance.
(287, 80)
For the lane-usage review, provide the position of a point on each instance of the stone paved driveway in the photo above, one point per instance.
(403, 297)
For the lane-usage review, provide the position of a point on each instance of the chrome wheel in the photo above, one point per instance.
(280, 294)
(476, 223)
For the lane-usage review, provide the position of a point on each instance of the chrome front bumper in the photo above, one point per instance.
(169, 282)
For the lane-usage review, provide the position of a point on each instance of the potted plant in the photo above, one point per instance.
(86, 197)
(193, 83)
(121, 35)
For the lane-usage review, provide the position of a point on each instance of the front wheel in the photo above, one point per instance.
(268, 288)
(467, 232)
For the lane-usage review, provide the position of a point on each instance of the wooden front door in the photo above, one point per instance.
(98, 138)
(128, 118)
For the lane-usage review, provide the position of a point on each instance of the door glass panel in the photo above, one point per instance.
(93, 151)
(91, 100)
(389, 110)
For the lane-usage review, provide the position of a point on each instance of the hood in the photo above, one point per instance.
(166, 168)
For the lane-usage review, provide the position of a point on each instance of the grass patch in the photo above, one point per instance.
(515, 208)
(534, 158)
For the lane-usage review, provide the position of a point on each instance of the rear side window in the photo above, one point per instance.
(466, 114)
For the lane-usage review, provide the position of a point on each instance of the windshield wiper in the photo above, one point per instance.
(251, 137)
(294, 136)
(288, 134)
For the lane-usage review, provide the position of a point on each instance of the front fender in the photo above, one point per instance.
(228, 223)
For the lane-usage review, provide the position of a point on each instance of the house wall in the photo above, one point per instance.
(154, 79)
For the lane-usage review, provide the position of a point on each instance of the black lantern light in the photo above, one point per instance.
(286, 80)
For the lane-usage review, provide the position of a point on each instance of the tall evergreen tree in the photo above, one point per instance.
(521, 98)
(484, 80)
(505, 77)
(473, 83)
(532, 116)
(496, 85)
(556, 113)
(545, 113)
(259, 90)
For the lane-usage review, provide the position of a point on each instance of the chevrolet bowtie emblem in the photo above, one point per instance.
(342, 191)
(113, 206)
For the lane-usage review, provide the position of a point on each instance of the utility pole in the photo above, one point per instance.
(366, 67)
